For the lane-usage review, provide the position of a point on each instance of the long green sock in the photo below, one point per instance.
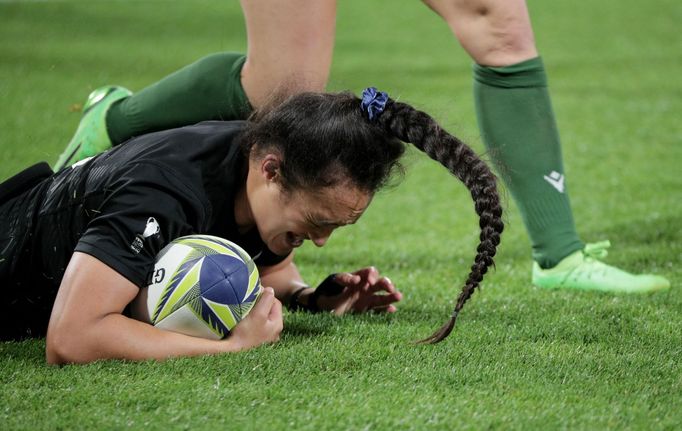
(517, 125)
(209, 89)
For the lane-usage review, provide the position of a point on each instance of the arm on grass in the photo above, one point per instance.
(86, 322)
(362, 290)
(283, 277)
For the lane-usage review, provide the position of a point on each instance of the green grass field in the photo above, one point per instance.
(520, 357)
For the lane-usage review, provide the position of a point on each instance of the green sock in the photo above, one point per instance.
(209, 89)
(517, 125)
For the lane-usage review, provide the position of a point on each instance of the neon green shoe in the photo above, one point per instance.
(91, 137)
(582, 270)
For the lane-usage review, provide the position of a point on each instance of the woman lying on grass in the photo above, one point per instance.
(293, 172)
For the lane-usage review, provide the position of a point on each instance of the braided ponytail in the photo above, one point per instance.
(418, 128)
(362, 143)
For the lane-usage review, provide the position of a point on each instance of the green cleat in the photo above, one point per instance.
(91, 138)
(582, 270)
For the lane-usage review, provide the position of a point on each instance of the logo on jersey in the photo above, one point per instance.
(152, 228)
(556, 180)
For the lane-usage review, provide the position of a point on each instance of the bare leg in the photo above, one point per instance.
(510, 90)
(518, 127)
(290, 44)
(493, 32)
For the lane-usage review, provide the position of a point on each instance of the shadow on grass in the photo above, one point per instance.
(301, 324)
(304, 329)
(27, 351)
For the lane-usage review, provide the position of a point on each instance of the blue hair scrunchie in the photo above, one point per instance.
(373, 102)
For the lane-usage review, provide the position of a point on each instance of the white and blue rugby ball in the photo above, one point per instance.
(201, 286)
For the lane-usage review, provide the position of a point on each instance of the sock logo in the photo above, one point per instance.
(556, 180)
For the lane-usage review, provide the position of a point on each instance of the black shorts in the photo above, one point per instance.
(26, 301)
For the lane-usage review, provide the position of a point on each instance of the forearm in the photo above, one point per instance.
(288, 284)
(86, 322)
(290, 288)
(118, 337)
(284, 278)
(285, 287)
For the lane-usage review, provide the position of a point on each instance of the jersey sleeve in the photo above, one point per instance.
(145, 210)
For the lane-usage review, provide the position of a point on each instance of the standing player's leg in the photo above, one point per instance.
(518, 127)
(290, 46)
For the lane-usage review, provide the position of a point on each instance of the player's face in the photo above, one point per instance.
(285, 219)
(291, 218)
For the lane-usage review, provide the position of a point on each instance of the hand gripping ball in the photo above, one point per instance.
(201, 286)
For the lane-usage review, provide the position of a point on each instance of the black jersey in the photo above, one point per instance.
(123, 207)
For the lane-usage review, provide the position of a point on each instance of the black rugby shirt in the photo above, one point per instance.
(125, 205)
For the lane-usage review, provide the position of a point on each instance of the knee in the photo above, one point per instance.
(504, 44)
(493, 32)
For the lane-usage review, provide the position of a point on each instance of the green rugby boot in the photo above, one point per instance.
(91, 137)
(583, 270)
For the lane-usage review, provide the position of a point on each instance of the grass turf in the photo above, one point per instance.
(519, 357)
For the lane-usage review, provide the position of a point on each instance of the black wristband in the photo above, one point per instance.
(294, 304)
(328, 287)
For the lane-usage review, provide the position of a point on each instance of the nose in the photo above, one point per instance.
(320, 239)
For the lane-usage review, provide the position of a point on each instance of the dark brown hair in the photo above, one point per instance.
(326, 139)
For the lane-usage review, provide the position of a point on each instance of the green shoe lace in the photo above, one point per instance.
(91, 137)
(583, 270)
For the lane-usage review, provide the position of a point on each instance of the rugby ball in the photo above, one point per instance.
(201, 286)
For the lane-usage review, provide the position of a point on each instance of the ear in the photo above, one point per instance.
(269, 167)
